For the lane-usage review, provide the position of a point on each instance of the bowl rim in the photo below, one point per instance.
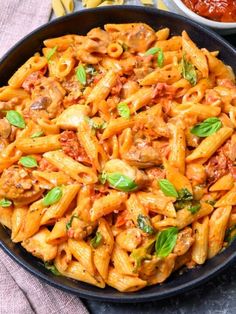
(203, 20)
(136, 296)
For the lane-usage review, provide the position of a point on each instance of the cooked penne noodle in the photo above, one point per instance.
(58, 234)
(57, 210)
(74, 169)
(229, 199)
(209, 145)
(102, 254)
(107, 204)
(225, 183)
(124, 283)
(38, 145)
(35, 63)
(83, 253)
(200, 246)
(217, 227)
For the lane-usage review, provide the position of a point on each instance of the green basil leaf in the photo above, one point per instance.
(125, 47)
(151, 51)
(207, 127)
(97, 126)
(52, 268)
(37, 134)
(5, 203)
(97, 240)
(123, 110)
(103, 177)
(166, 241)
(194, 207)
(230, 234)
(15, 118)
(185, 195)
(142, 253)
(167, 188)
(211, 202)
(121, 182)
(160, 55)
(69, 224)
(188, 71)
(52, 196)
(145, 224)
(182, 204)
(28, 162)
(51, 53)
(160, 58)
(81, 75)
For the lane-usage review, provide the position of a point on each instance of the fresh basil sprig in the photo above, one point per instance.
(69, 224)
(97, 240)
(143, 253)
(95, 125)
(103, 177)
(184, 195)
(188, 71)
(145, 224)
(120, 182)
(168, 188)
(160, 55)
(194, 207)
(166, 241)
(123, 110)
(81, 74)
(15, 118)
(5, 202)
(52, 268)
(207, 127)
(52, 196)
(28, 162)
(51, 53)
(37, 134)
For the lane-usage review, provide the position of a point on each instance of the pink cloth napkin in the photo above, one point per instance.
(20, 292)
(20, 17)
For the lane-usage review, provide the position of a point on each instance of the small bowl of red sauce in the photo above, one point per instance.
(217, 14)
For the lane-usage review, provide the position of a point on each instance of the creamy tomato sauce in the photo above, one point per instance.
(217, 10)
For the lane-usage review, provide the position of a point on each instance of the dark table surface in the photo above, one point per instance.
(218, 296)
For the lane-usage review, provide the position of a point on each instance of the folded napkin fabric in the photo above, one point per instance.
(18, 18)
(22, 293)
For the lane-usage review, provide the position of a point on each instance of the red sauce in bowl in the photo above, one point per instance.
(217, 10)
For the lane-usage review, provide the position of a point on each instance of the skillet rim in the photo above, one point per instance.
(143, 295)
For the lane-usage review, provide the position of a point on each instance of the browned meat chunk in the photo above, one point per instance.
(137, 36)
(9, 105)
(5, 128)
(143, 157)
(222, 162)
(18, 184)
(184, 241)
(48, 95)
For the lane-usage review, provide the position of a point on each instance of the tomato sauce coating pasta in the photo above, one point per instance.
(117, 155)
